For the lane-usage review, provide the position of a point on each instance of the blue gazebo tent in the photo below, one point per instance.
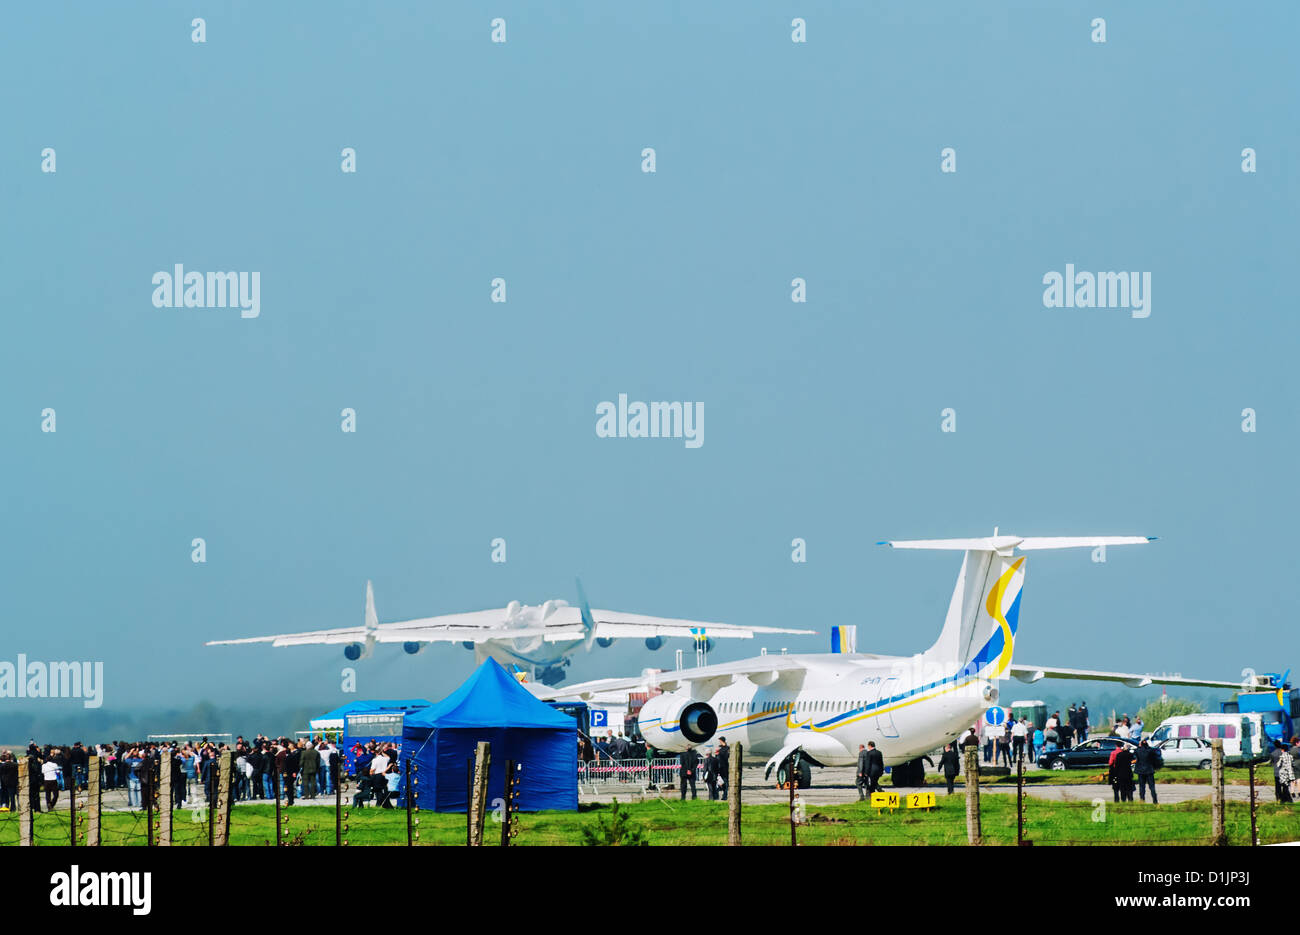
(492, 706)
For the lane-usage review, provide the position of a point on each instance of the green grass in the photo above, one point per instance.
(668, 822)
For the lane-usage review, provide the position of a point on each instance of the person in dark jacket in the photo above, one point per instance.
(1148, 761)
(8, 781)
(864, 766)
(949, 765)
(688, 764)
(711, 774)
(875, 767)
(1120, 775)
(178, 781)
(34, 776)
(78, 760)
(724, 767)
(310, 763)
(258, 763)
(292, 759)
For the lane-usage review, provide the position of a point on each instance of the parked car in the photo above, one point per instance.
(1185, 751)
(1091, 753)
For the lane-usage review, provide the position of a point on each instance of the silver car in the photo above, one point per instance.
(1185, 751)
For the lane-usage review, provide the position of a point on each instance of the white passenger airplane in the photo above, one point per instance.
(824, 706)
(540, 638)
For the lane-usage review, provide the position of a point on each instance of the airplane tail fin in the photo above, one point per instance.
(979, 633)
(584, 608)
(372, 619)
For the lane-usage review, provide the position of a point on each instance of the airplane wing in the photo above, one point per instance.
(565, 623)
(1031, 674)
(476, 627)
(763, 670)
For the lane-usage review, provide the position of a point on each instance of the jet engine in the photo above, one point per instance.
(676, 722)
(412, 648)
(604, 642)
(653, 642)
(355, 651)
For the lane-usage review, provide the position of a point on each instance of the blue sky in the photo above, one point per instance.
(476, 420)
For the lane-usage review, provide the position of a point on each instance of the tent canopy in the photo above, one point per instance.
(490, 697)
(492, 706)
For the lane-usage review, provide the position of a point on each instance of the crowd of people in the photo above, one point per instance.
(263, 769)
(610, 747)
(714, 767)
(1005, 743)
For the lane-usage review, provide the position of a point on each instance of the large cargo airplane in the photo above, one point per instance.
(822, 707)
(538, 638)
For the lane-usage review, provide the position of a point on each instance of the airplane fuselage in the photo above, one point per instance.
(839, 702)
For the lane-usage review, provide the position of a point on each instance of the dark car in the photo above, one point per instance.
(1091, 753)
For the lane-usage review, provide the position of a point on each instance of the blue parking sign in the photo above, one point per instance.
(599, 718)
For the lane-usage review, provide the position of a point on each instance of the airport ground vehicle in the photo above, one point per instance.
(1277, 711)
(1035, 711)
(1237, 731)
(1185, 751)
(1089, 754)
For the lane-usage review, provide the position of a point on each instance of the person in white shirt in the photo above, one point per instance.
(378, 781)
(50, 773)
(1018, 731)
(326, 751)
(1121, 730)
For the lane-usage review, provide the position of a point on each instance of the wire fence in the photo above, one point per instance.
(354, 815)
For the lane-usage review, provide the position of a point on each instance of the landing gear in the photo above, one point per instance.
(804, 773)
(911, 773)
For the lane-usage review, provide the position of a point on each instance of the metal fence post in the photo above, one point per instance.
(406, 792)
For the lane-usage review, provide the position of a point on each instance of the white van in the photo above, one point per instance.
(1239, 735)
